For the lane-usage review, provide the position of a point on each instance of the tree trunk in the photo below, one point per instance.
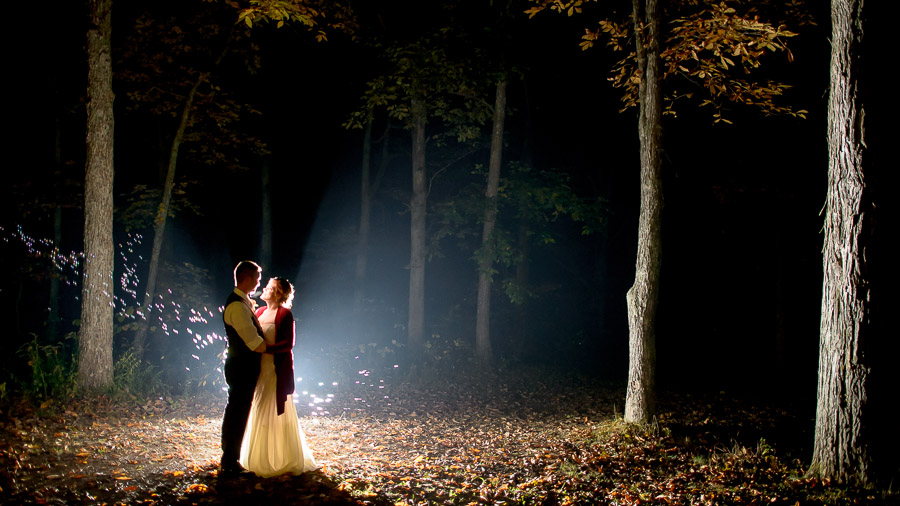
(266, 248)
(53, 299)
(416, 325)
(842, 449)
(483, 305)
(162, 213)
(365, 207)
(643, 296)
(95, 338)
(523, 324)
(368, 189)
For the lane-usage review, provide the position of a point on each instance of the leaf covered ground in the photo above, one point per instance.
(523, 439)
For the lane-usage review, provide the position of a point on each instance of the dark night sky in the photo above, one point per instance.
(741, 226)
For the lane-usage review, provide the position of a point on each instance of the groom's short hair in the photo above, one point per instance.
(244, 270)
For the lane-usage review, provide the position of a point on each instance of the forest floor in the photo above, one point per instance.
(541, 441)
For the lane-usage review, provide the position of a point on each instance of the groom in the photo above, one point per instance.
(245, 343)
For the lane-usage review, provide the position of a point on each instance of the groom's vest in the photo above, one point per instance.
(237, 348)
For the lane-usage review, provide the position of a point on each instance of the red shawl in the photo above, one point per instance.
(284, 355)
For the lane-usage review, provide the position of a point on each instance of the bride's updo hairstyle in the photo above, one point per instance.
(287, 292)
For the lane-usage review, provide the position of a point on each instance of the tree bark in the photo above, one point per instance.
(523, 325)
(365, 207)
(368, 189)
(416, 324)
(266, 241)
(138, 344)
(643, 296)
(841, 449)
(483, 351)
(95, 337)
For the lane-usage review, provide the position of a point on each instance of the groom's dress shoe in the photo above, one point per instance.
(233, 470)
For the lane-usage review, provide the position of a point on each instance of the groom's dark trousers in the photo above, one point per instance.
(241, 374)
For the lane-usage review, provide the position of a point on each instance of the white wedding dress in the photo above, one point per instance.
(273, 444)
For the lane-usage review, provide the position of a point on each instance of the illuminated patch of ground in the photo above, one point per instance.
(503, 441)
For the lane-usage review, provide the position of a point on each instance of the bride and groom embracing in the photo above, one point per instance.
(260, 431)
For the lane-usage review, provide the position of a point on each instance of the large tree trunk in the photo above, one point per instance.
(138, 344)
(842, 448)
(643, 297)
(95, 337)
(416, 324)
(483, 350)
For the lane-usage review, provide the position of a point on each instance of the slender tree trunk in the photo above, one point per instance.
(524, 328)
(842, 449)
(138, 344)
(483, 350)
(53, 315)
(139, 341)
(365, 207)
(53, 299)
(416, 326)
(95, 337)
(643, 297)
(265, 219)
(368, 189)
(781, 302)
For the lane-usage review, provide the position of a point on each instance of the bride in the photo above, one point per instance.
(273, 441)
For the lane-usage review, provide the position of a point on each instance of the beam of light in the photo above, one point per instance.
(337, 378)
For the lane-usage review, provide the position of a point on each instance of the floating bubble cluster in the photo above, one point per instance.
(350, 385)
(167, 312)
(66, 265)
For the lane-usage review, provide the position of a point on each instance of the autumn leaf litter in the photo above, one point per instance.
(493, 440)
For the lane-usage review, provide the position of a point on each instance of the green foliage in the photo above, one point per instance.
(190, 304)
(444, 355)
(135, 378)
(529, 201)
(205, 375)
(164, 57)
(516, 292)
(183, 319)
(544, 196)
(142, 206)
(51, 368)
(427, 71)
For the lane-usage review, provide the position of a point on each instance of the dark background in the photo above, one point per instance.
(741, 279)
